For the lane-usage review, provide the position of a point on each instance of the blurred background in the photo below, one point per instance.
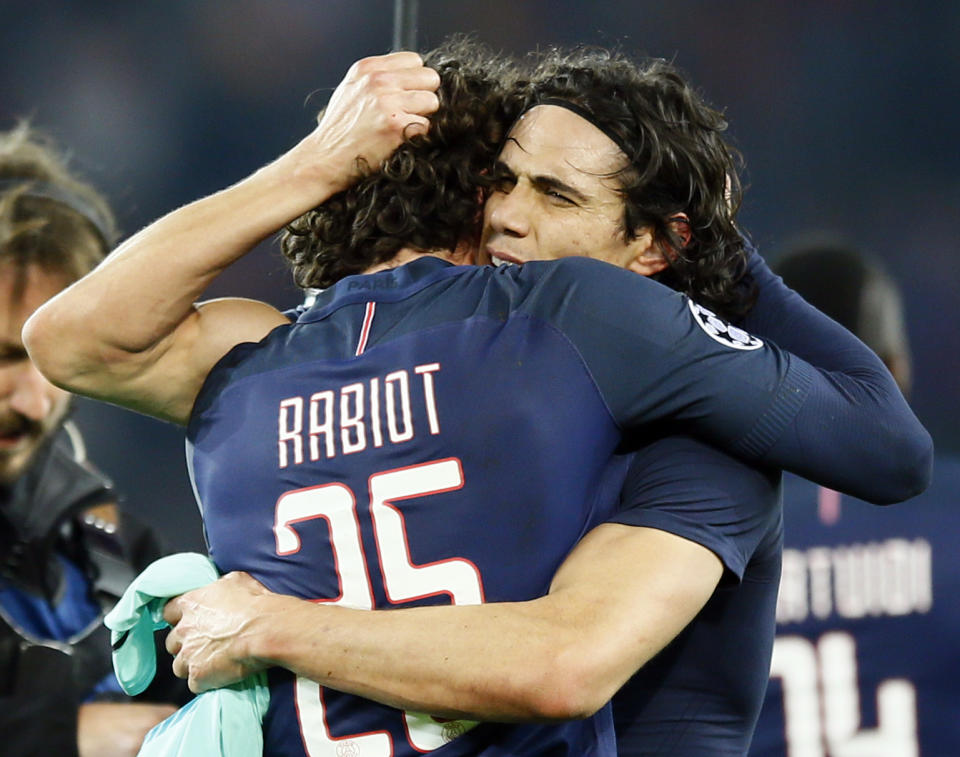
(846, 111)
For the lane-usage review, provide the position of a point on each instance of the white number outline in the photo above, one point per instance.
(403, 581)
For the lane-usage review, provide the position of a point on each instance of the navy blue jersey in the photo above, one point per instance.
(440, 434)
(782, 316)
(866, 658)
(701, 695)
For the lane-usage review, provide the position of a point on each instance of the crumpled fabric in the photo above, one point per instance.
(224, 721)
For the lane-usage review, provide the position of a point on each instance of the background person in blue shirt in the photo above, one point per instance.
(866, 611)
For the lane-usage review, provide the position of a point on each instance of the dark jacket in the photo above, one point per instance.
(62, 506)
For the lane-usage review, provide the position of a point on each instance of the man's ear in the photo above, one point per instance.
(649, 257)
(648, 263)
(646, 256)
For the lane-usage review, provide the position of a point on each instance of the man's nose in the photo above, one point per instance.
(510, 213)
(32, 396)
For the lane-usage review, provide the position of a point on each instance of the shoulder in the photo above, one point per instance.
(230, 321)
(581, 294)
(579, 274)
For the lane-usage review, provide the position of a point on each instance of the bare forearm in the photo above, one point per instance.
(510, 661)
(557, 657)
(168, 265)
(162, 270)
(130, 332)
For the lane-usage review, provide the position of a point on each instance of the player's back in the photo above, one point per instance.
(866, 616)
(419, 436)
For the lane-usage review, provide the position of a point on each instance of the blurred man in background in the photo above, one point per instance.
(865, 660)
(66, 551)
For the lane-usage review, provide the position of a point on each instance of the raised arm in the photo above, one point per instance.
(658, 358)
(130, 332)
(890, 461)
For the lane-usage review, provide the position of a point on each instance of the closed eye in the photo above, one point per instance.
(558, 191)
(504, 180)
(554, 195)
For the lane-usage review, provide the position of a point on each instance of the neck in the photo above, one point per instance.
(406, 254)
(403, 256)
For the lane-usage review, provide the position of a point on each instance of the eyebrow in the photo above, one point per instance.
(544, 182)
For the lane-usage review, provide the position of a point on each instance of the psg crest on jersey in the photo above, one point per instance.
(721, 331)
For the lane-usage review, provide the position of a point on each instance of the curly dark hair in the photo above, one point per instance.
(679, 162)
(427, 195)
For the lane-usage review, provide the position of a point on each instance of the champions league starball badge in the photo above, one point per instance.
(721, 331)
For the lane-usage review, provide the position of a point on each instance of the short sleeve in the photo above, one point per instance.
(685, 487)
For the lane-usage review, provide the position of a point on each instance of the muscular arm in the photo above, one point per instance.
(686, 512)
(131, 333)
(557, 657)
